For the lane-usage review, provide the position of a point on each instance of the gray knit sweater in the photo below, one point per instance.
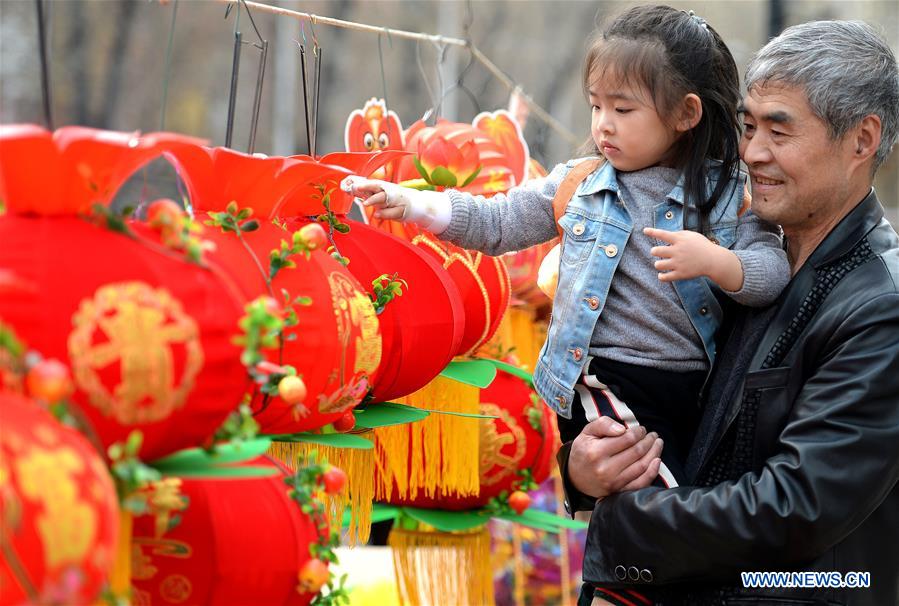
(643, 322)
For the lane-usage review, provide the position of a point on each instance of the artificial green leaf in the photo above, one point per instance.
(447, 521)
(338, 440)
(229, 452)
(512, 370)
(387, 413)
(551, 518)
(442, 176)
(538, 524)
(421, 169)
(226, 471)
(479, 373)
(380, 512)
(472, 176)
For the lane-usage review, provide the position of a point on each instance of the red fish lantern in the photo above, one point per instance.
(58, 510)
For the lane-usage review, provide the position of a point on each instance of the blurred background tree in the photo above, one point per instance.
(107, 63)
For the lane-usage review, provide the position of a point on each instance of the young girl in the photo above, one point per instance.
(652, 239)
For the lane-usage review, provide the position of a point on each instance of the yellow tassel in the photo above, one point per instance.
(437, 456)
(437, 568)
(120, 578)
(358, 465)
(519, 329)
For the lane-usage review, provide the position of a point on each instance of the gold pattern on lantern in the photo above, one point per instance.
(494, 463)
(134, 327)
(66, 525)
(175, 588)
(142, 567)
(353, 308)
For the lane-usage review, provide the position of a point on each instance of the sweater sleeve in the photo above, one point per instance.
(766, 270)
(518, 219)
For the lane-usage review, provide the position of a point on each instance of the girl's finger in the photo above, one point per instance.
(665, 264)
(661, 251)
(378, 200)
(394, 213)
(660, 234)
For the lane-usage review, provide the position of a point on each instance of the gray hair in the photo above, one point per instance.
(846, 69)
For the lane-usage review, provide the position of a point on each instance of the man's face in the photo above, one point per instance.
(798, 174)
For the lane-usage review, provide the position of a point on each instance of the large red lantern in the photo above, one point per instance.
(240, 541)
(523, 436)
(148, 335)
(58, 510)
(337, 345)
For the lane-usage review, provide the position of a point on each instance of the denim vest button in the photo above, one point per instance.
(593, 302)
(669, 215)
(578, 229)
(577, 354)
(703, 311)
(611, 250)
(563, 403)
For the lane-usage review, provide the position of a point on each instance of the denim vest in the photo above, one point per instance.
(596, 228)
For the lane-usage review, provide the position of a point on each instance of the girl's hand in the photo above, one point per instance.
(607, 458)
(689, 254)
(388, 199)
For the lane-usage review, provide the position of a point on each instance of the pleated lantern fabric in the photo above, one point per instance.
(240, 541)
(147, 335)
(58, 510)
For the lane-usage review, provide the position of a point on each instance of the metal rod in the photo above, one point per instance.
(257, 100)
(45, 68)
(232, 98)
(305, 99)
(316, 87)
(168, 66)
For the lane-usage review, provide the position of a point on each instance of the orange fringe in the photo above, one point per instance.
(442, 568)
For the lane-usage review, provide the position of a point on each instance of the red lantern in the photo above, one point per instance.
(337, 345)
(422, 330)
(146, 334)
(522, 437)
(240, 541)
(58, 510)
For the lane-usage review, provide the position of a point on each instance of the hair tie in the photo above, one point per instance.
(698, 20)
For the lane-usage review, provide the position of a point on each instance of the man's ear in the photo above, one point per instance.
(689, 114)
(865, 138)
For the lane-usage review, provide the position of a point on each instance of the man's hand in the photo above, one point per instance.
(607, 458)
(689, 254)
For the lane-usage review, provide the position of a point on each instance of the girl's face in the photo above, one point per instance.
(626, 127)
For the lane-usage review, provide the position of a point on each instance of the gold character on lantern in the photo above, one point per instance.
(495, 464)
(134, 326)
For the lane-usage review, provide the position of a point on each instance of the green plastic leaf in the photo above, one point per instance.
(226, 471)
(479, 373)
(442, 176)
(229, 452)
(338, 440)
(421, 169)
(447, 521)
(380, 512)
(543, 520)
(472, 176)
(512, 370)
(387, 413)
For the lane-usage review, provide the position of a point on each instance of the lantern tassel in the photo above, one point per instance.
(358, 464)
(434, 568)
(120, 577)
(436, 456)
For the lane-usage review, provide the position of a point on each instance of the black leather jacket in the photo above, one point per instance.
(800, 465)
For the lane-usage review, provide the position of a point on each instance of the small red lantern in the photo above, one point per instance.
(240, 541)
(58, 510)
(522, 437)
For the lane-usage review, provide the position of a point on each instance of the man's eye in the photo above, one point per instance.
(778, 133)
(747, 127)
(623, 110)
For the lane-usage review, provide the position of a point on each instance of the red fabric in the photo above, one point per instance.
(328, 366)
(58, 510)
(521, 446)
(69, 170)
(74, 262)
(240, 541)
(422, 329)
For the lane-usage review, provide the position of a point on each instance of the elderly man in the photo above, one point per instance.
(796, 462)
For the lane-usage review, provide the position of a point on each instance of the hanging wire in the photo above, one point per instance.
(168, 66)
(491, 67)
(235, 70)
(381, 62)
(45, 67)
